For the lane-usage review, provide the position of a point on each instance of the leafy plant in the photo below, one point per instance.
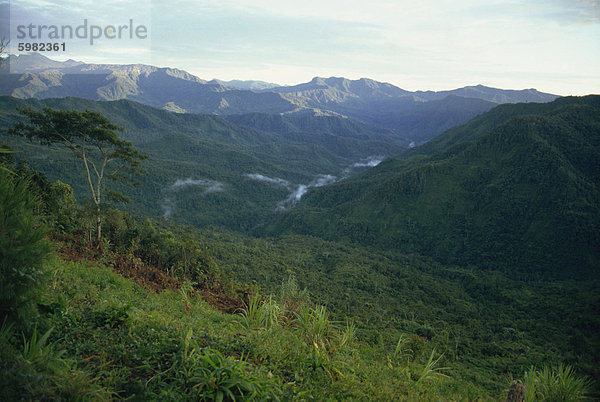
(208, 375)
(23, 249)
(260, 314)
(430, 370)
(314, 323)
(292, 299)
(38, 351)
(73, 383)
(348, 334)
(187, 288)
(399, 349)
(5, 333)
(559, 383)
(250, 316)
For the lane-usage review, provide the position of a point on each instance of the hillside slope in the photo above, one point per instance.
(522, 197)
(206, 170)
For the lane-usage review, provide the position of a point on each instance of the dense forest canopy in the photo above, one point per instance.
(425, 276)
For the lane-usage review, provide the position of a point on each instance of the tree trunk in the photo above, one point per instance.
(98, 227)
(517, 392)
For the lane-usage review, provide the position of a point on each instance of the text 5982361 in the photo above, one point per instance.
(41, 47)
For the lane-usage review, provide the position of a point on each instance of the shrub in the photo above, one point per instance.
(260, 314)
(23, 249)
(559, 383)
(208, 375)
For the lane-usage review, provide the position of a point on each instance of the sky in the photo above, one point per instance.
(550, 45)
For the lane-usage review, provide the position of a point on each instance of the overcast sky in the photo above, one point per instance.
(551, 45)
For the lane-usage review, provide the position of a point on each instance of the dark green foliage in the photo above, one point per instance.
(57, 207)
(182, 256)
(521, 197)
(210, 150)
(486, 122)
(23, 248)
(90, 137)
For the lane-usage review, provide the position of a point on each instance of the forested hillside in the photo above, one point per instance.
(320, 320)
(516, 189)
(205, 170)
(447, 272)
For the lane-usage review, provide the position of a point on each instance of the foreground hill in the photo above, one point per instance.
(519, 194)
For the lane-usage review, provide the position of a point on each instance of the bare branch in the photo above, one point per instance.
(3, 45)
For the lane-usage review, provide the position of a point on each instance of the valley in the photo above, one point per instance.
(336, 239)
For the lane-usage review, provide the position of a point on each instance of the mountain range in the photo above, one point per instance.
(456, 227)
(413, 116)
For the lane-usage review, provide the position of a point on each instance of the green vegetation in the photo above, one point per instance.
(212, 154)
(521, 195)
(555, 384)
(170, 312)
(23, 248)
(92, 138)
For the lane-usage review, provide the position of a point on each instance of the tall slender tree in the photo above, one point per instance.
(92, 138)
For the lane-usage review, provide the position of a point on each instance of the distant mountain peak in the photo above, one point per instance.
(250, 85)
(36, 62)
(379, 104)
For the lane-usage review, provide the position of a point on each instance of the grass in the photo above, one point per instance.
(558, 383)
(113, 339)
(122, 340)
(430, 370)
(260, 314)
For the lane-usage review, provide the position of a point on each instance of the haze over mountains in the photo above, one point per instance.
(412, 116)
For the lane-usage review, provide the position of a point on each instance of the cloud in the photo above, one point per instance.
(95, 16)
(293, 198)
(301, 189)
(371, 161)
(260, 177)
(322, 180)
(210, 186)
(168, 207)
(577, 11)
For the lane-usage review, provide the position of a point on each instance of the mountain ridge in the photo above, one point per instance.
(242, 161)
(522, 196)
(36, 76)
